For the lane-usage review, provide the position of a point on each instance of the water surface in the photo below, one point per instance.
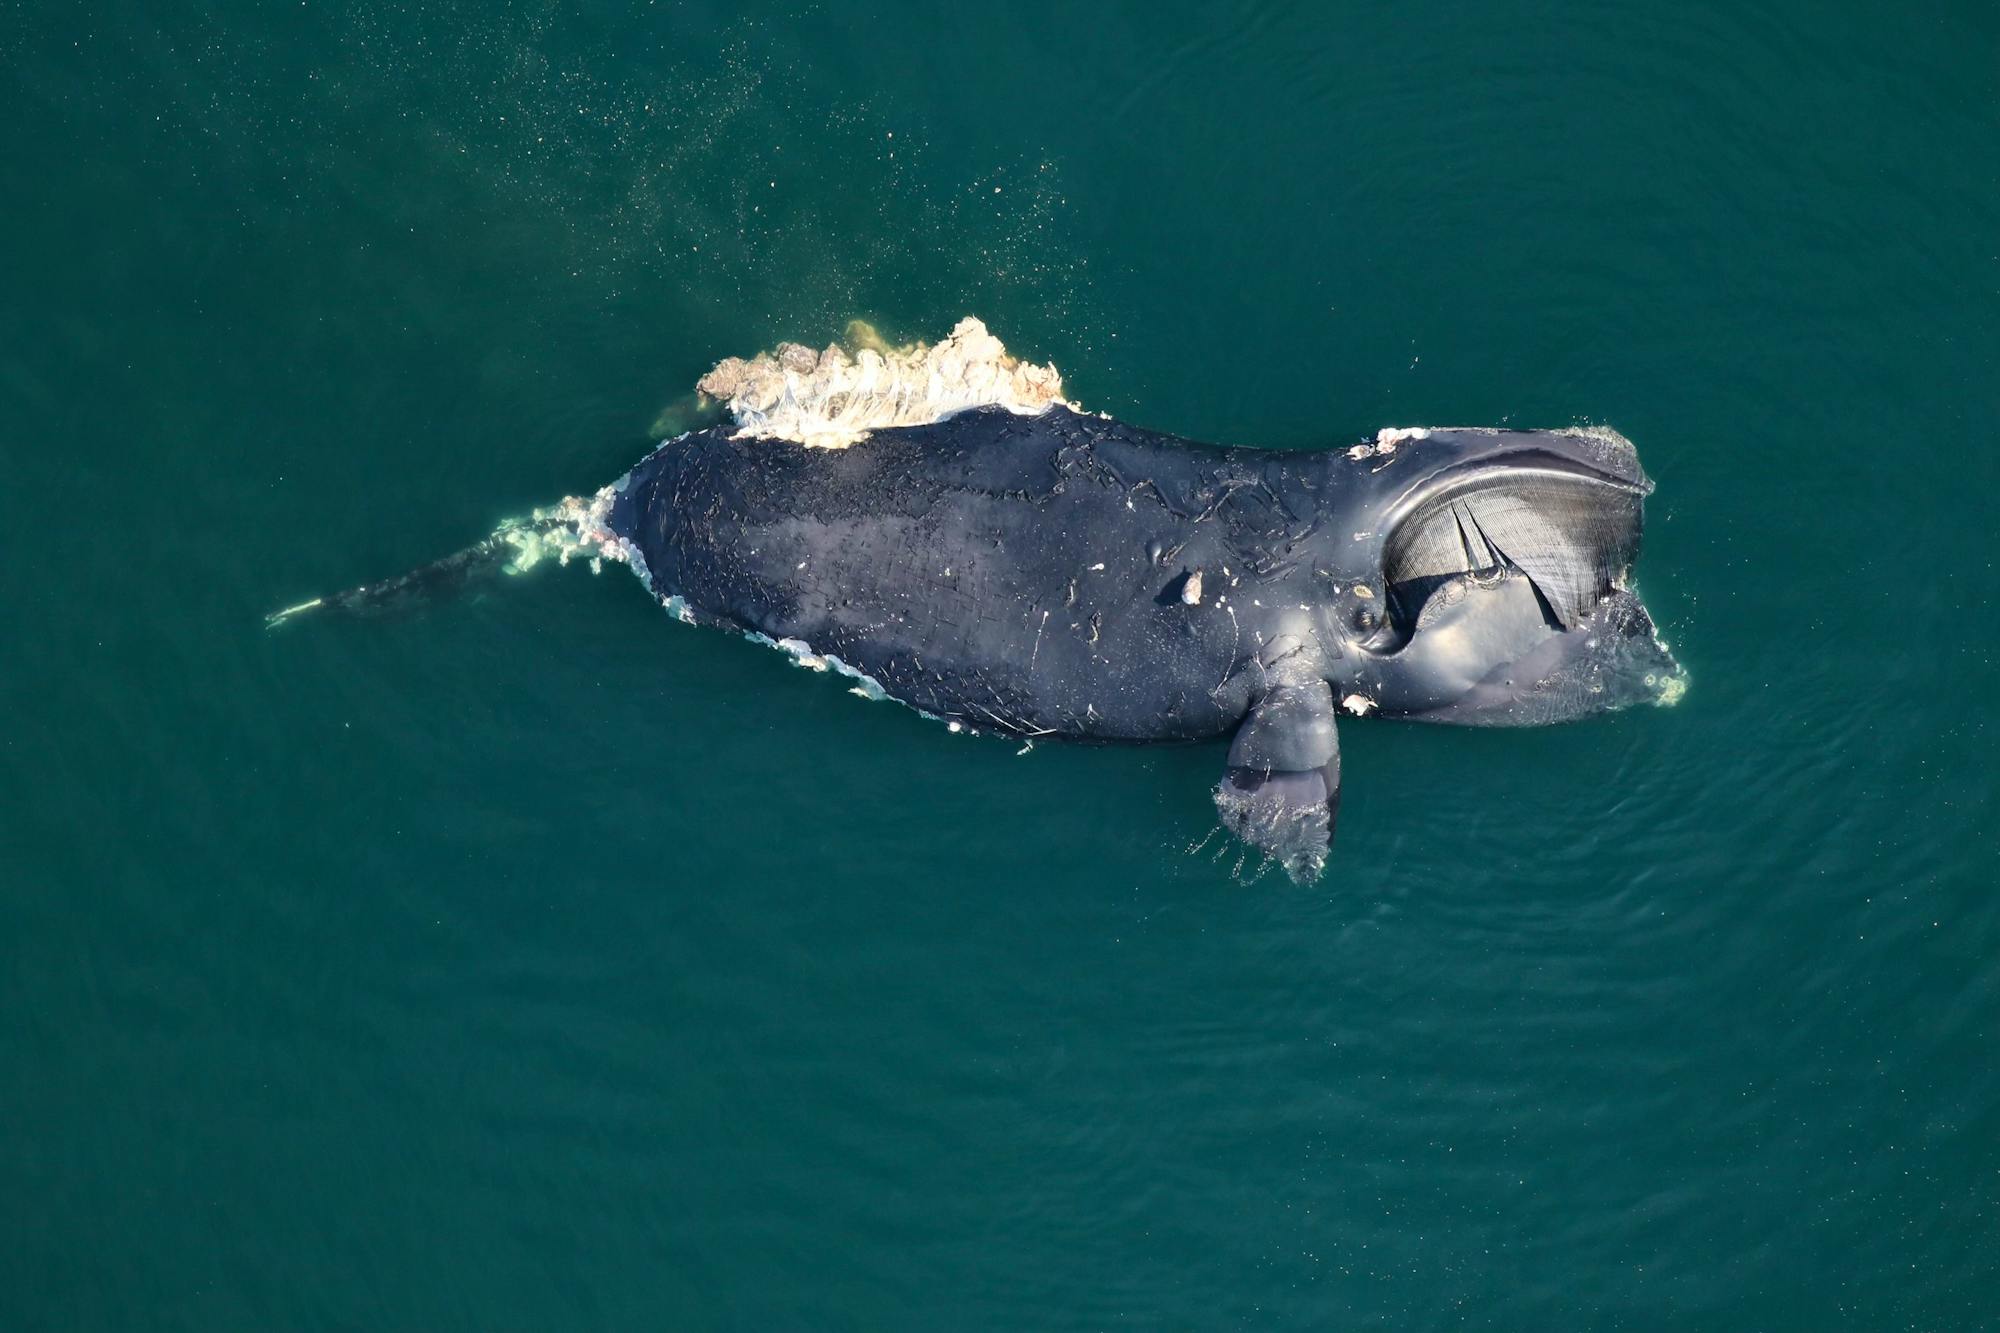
(541, 963)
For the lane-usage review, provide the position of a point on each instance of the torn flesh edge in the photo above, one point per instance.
(834, 398)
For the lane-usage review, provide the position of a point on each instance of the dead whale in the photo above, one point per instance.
(939, 523)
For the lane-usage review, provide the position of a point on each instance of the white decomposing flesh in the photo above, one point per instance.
(1357, 704)
(834, 398)
(1386, 441)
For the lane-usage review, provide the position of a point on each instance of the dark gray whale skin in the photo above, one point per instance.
(1029, 575)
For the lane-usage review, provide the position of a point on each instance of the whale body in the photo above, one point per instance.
(1066, 575)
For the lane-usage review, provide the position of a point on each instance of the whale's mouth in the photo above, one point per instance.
(1566, 523)
(833, 398)
(1505, 585)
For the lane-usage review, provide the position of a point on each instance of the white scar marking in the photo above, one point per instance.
(1233, 652)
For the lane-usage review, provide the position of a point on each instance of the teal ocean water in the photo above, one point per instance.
(540, 963)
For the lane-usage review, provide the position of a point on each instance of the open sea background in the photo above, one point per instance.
(540, 963)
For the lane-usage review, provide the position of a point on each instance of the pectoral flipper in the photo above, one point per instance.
(1281, 792)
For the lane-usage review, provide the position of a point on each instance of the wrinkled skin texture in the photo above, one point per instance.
(1067, 575)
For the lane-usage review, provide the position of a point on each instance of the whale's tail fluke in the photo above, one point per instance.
(512, 548)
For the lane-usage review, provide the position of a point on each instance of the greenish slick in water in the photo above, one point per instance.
(537, 962)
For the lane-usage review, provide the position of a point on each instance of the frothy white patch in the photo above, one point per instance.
(834, 398)
(571, 529)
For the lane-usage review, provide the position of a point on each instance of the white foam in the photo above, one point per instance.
(571, 529)
(834, 398)
(802, 654)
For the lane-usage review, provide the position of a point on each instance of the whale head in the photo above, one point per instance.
(1497, 588)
